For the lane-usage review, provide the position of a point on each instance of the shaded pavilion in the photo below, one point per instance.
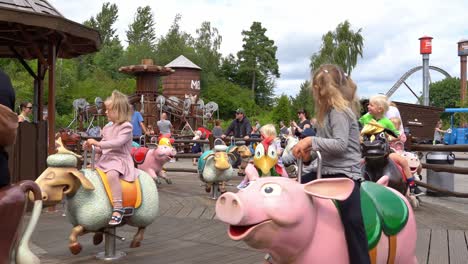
(34, 29)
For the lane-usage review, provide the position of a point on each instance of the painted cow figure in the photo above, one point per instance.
(89, 207)
(300, 224)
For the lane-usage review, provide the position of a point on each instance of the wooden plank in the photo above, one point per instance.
(208, 213)
(422, 245)
(439, 247)
(196, 212)
(458, 250)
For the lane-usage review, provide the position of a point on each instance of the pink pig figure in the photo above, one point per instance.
(299, 224)
(154, 161)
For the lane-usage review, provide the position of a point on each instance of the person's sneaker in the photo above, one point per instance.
(415, 191)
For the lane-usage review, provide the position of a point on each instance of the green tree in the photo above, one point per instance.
(304, 100)
(142, 29)
(445, 94)
(228, 96)
(341, 47)
(257, 61)
(111, 50)
(207, 46)
(280, 111)
(229, 68)
(104, 22)
(174, 44)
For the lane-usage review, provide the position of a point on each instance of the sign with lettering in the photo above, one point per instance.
(195, 84)
(414, 123)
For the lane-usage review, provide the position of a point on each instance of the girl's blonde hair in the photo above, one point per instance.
(381, 101)
(268, 130)
(331, 88)
(118, 102)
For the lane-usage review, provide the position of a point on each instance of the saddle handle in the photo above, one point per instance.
(93, 156)
(218, 140)
(300, 164)
(142, 139)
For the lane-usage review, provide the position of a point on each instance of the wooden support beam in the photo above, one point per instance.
(23, 62)
(192, 170)
(440, 190)
(427, 147)
(51, 103)
(187, 155)
(445, 168)
(39, 85)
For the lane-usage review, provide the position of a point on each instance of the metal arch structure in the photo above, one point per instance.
(409, 73)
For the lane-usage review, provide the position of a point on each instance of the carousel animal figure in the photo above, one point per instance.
(70, 139)
(244, 154)
(214, 168)
(14, 243)
(375, 149)
(152, 160)
(265, 163)
(89, 206)
(297, 223)
(61, 147)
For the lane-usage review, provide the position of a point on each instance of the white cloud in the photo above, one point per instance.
(391, 29)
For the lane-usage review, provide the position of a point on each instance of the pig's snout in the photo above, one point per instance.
(229, 209)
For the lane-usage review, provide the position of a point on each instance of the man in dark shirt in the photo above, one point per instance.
(240, 126)
(7, 98)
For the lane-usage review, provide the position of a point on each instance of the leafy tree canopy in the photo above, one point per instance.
(342, 47)
(142, 28)
(258, 63)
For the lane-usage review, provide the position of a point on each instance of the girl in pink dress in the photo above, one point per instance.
(115, 147)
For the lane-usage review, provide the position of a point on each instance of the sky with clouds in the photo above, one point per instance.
(390, 28)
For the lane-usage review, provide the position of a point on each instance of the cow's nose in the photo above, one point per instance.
(229, 208)
(45, 197)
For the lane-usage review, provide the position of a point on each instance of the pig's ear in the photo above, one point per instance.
(383, 180)
(251, 172)
(336, 188)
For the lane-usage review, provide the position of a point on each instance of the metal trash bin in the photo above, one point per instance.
(443, 180)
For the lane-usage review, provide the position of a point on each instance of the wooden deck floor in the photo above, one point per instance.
(186, 231)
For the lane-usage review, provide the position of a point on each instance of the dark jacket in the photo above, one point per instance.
(7, 94)
(7, 98)
(240, 129)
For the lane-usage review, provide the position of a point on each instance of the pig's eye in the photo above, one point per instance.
(259, 151)
(272, 152)
(271, 189)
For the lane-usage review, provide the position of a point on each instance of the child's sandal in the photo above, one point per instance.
(116, 220)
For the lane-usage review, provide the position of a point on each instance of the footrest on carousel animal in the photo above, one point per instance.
(128, 211)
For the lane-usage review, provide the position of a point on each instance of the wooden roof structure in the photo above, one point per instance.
(26, 25)
(34, 29)
(147, 67)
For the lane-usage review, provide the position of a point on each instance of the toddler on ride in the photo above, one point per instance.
(115, 159)
(378, 106)
(267, 157)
